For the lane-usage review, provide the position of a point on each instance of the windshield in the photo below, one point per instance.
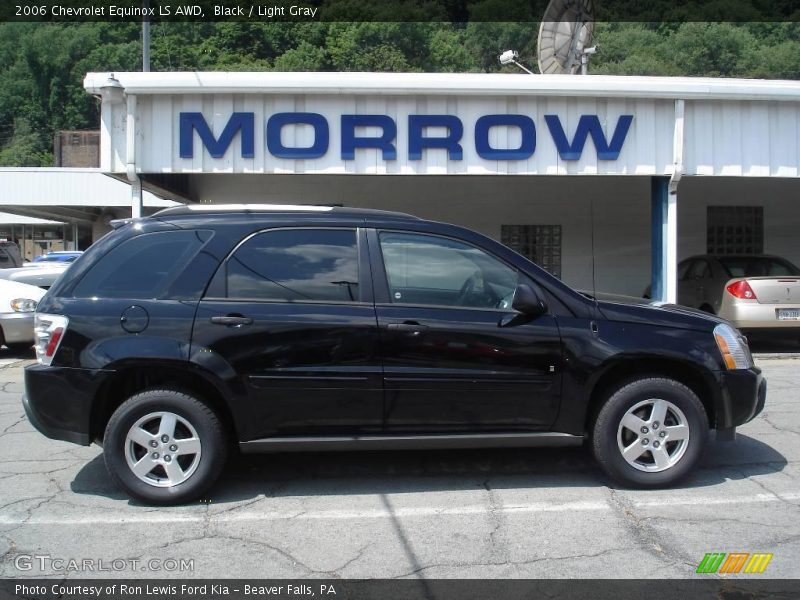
(757, 266)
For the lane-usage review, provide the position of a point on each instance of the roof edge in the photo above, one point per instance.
(477, 84)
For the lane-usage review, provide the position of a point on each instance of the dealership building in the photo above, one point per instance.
(601, 180)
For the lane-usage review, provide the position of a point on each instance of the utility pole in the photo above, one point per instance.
(146, 40)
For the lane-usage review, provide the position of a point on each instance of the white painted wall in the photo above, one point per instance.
(622, 204)
(779, 197)
(621, 211)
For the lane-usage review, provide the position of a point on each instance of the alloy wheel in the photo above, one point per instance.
(653, 435)
(162, 449)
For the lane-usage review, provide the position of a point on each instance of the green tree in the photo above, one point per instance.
(25, 148)
(712, 49)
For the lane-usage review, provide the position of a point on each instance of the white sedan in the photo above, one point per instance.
(17, 304)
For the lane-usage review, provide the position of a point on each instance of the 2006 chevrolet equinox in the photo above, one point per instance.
(287, 328)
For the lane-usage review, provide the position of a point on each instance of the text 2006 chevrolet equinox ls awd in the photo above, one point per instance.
(303, 327)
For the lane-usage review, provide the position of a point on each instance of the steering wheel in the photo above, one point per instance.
(467, 289)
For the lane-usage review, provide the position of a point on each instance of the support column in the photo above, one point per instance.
(664, 240)
(136, 199)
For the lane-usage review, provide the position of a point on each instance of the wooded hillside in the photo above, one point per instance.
(42, 65)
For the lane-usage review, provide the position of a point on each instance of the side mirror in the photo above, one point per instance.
(527, 301)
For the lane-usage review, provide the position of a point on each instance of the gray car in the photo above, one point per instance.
(760, 294)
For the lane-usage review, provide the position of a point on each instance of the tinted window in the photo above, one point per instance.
(423, 269)
(140, 267)
(700, 270)
(296, 265)
(683, 269)
(757, 266)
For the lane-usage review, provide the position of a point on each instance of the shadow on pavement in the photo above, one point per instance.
(347, 473)
(774, 346)
(24, 353)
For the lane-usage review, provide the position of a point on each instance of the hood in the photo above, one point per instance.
(11, 290)
(642, 310)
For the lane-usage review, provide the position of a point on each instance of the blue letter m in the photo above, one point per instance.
(589, 125)
(194, 121)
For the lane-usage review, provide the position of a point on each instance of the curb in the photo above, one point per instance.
(777, 356)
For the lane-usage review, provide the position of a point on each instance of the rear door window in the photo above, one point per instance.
(142, 266)
(293, 265)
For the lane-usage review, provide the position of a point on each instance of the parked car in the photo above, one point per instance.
(42, 276)
(58, 256)
(294, 328)
(17, 304)
(759, 294)
(10, 256)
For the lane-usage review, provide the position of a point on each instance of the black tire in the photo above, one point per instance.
(207, 466)
(607, 426)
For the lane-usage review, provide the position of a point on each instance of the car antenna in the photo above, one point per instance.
(591, 221)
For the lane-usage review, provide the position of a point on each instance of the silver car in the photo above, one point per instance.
(757, 293)
(42, 276)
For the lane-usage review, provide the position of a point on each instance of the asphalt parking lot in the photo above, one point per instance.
(475, 514)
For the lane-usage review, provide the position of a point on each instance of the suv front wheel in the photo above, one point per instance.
(164, 447)
(650, 432)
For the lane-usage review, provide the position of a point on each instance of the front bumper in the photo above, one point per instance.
(17, 327)
(59, 401)
(744, 392)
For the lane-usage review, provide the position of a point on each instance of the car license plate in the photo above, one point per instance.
(788, 314)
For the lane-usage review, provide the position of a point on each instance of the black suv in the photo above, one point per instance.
(283, 328)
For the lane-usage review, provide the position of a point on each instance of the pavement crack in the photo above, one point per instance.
(503, 563)
(768, 490)
(495, 516)
(20, 420)
(277, 549)
(645, 534)
(765, 417)
(336, 572)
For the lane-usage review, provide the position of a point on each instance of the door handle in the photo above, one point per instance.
(232, 320)
(410, 327)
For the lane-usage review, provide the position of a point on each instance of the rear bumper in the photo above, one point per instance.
(752, 315)
(58, 401)
(744, 392)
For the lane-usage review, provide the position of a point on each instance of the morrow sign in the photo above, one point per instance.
(420, 139)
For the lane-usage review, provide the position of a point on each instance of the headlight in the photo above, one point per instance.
(23, 305)
(734, 349)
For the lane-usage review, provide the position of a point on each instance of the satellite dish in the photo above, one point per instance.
(567, 28)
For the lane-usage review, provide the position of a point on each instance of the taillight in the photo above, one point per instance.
(741, 289)
(48, 331)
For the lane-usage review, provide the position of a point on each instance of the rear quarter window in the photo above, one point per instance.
(142, 266)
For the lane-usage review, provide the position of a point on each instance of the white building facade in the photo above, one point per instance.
(605, 181)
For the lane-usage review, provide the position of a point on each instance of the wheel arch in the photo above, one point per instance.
(135, 378)
(616, 375)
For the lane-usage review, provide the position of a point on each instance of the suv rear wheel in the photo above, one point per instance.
(650, 432)
(164, 447)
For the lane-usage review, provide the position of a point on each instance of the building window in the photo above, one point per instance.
(540, 243)
(735, 230)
